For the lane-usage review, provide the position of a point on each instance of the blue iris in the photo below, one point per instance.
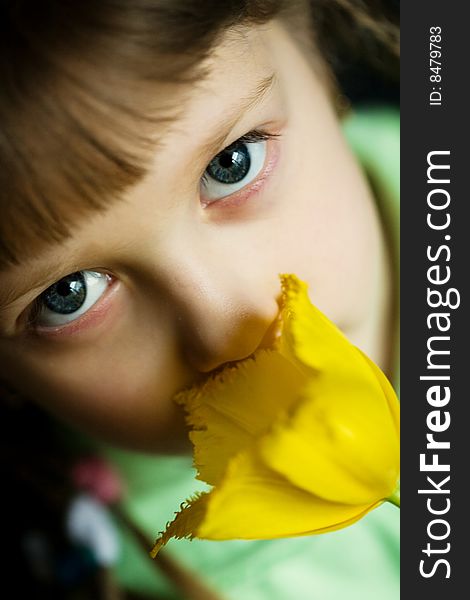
(66, 295)
(231, 165)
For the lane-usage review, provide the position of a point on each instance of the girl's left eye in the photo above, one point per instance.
(235, 167)
(69, 298)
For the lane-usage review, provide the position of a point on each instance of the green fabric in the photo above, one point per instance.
(375, 137)
(358, 563)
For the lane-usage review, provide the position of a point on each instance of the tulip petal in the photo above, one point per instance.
(186, 522)
(310, 336)
(236, 406)
(341, 443)
(348, 455)
(255, 502)
(389, 392)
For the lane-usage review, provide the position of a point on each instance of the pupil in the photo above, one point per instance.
(231, 165)
(226, 159)
(63, 288)
(67, 295)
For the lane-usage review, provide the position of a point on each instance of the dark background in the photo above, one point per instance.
(366, 84)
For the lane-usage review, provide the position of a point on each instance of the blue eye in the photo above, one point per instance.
(67, 295)
(70, 297)
(231, 165)
(235, 166)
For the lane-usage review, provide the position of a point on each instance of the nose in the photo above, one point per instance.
(222, 307)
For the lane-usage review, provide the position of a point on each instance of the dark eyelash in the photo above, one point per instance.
(257, 135)
(34, 311)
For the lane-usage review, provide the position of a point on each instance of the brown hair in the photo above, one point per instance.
(76, 93)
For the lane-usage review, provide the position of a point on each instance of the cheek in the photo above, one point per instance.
(120, 393)
(328, 233)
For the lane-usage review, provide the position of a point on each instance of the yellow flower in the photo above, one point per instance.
(299, 439)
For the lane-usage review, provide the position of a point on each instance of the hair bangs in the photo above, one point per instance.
(81, 102)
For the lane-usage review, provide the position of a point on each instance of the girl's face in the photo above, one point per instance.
(181, 276)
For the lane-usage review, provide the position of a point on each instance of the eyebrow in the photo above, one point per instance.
(248, 103)
(45, 275)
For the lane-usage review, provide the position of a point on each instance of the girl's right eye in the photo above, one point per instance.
(235, 167)
(69, 298)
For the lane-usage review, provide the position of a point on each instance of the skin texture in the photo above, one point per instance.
(195, 285)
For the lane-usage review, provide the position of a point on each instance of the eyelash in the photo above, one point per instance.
(34, 311)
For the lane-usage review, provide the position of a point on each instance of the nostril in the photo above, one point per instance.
(207, 354)
(205, 362)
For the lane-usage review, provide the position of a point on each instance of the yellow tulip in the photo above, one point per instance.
(299, 439)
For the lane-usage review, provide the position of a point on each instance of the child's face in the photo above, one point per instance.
(182, 276)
